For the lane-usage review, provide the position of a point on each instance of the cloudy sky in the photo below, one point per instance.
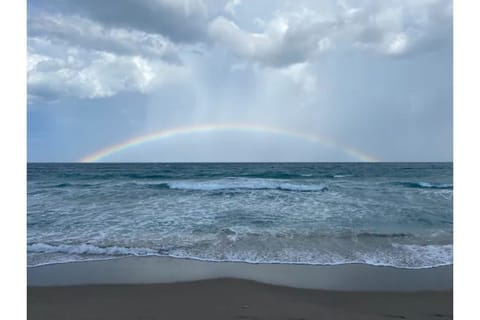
(364, 77)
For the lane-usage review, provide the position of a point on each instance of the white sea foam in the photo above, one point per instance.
(406, 257)
(402, 256)
(429, 254)
(244, 183)
(435, 185)
(89, 249)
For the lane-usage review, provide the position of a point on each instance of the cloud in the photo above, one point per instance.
(393, 28)
(85, 73)
(287, 39)
(398, 28)
(75, 56)
(179, 21)
(76, 31)
(230, 6)
(99, 53)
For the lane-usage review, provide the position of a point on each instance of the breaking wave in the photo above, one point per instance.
(400, 256)
(427, 185)
(251, 184)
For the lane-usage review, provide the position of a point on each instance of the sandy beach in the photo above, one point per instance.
(168, 288)
(230, 299)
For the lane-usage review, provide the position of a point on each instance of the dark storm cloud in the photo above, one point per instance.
(180, 21)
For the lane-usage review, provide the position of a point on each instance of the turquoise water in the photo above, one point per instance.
(395, 214)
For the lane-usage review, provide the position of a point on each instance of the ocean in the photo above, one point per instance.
(389, 214)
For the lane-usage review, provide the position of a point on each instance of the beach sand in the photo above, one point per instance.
(165, 288)
(229, 299)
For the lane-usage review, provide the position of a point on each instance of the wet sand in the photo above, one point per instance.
(166, 288)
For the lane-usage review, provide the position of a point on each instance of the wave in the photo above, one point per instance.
(436, 254)
(274, 175)
(342, 175)
(427, 185)
(90, 249)
(63, 185)
(403, 255)
(68, 185)
(147, 185)
(226, 184)
(243, 183)
(383, 235)
(144, 176)
(72, 185)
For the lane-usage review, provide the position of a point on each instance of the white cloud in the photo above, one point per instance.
(74, 56)
(95, 74)
(100, 56)
(397, 27)
(230, 6)
(295, 36)
(76, 31)
(286, 39)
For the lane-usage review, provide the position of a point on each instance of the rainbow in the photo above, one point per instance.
(169, 133)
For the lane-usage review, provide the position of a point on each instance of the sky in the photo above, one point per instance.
(333, 80)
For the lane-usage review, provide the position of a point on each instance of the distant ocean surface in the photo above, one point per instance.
(392, 214)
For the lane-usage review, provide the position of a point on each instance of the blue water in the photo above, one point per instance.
(395, 214)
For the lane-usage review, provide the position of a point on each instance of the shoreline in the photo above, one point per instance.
(180, 289)
(154, 269)
(237, 261)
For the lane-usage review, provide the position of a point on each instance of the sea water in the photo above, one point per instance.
(392, 214)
